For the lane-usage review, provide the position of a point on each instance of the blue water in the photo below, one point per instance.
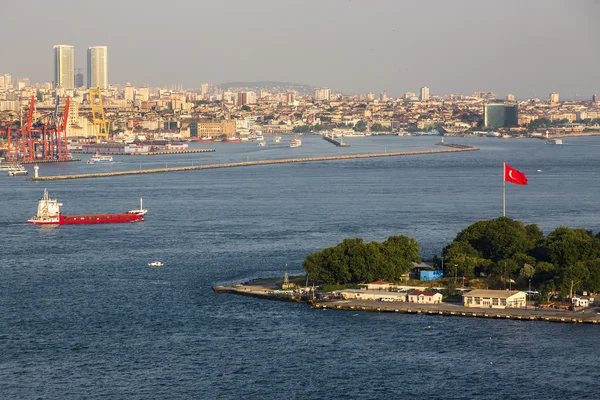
(82, 316)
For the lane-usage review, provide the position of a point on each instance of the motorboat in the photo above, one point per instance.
(155, 264)
(277, 139)
(262, 143)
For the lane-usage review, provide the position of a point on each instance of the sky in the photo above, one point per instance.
(525, 47)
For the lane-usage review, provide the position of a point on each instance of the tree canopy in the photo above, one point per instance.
(355, 261)
(505, 249)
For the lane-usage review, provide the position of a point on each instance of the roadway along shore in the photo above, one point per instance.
(249, 164)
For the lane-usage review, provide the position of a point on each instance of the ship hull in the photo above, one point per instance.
(89, 219)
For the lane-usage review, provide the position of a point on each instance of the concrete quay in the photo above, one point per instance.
(265, 289)
(249, 164)
(448, 309)
(150, 153)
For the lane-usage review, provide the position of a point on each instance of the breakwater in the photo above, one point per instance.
(249, 164)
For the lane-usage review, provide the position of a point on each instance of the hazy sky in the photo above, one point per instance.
(524, 47)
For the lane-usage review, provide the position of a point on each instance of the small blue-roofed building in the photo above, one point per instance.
(431, 275)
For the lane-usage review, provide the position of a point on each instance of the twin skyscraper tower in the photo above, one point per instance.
(64, 66)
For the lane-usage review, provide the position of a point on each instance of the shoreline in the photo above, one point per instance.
(251, 163)
(266, 289)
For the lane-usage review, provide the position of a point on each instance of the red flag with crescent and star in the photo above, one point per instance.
(514, 176)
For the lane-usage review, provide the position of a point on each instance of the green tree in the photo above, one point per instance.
(360, 126)
(245, 108)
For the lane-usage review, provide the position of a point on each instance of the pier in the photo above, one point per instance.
(264, 289)
(337, 143)
(249, 164)
(150, 153)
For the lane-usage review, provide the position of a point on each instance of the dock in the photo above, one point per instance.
(150, 153)
(266, 291)
(249, 164)
(336, 142)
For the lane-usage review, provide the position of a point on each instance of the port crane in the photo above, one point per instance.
(42, 141)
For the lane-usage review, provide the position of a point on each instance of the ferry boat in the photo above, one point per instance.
(98, 159)
(17, 170)
(295, 142)
(49, 214)
(9, 166)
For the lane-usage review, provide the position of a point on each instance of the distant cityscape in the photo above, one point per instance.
(274, 107)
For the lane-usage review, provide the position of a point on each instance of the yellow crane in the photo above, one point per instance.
(98, 117)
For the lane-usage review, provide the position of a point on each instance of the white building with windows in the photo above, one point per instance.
(97, 67)
(64, 66)
(495, 299)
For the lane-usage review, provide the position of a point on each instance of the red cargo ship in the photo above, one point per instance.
(49, 214)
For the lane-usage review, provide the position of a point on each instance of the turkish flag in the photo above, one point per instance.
(514, 176)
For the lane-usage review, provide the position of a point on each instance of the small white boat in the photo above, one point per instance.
(155, 264)
(277, 139)
(262, 143)
(98, 159)
(539, 170)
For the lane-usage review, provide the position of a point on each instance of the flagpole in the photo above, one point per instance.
(504, 189)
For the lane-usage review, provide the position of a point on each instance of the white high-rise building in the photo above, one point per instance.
(322, 94)
(64, 66)
(424, 93)
(97, 67)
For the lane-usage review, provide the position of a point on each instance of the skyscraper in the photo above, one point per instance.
(64, 66)
(497, 115)
(424, 93)
(78, 78)
(97, 69)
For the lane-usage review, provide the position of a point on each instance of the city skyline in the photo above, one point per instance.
(451, 47)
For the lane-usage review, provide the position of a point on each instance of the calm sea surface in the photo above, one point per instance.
(83, 317)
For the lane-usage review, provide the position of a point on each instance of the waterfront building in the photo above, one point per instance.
(497, 115)
(212, 128)
(429, 297)
(373, 295)
(424, 93)
(97, 67)
(64, 66)
(554, 98)
(495, 299)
